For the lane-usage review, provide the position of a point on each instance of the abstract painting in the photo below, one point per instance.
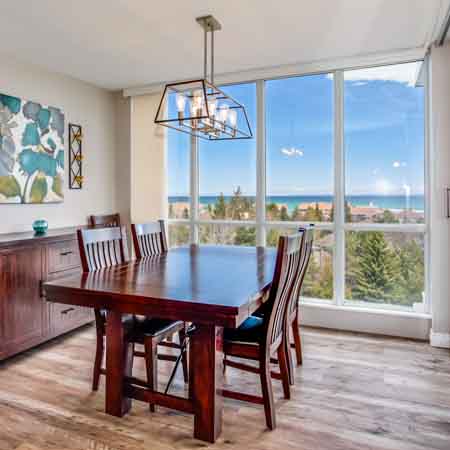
(31, 152)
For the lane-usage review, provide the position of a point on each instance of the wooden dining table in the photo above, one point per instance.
(211, 286)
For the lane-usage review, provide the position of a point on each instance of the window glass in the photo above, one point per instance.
(384, 145)
(299, 142)
(227, 169)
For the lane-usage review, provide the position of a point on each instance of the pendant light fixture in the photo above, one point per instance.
(200, 108)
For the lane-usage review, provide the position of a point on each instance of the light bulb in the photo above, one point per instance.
(212, 106)
(232, 118)
(197, 102)
(223, 114)
(181, 102)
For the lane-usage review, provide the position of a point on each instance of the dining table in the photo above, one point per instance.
(212, 287)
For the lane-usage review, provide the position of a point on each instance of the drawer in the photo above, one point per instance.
(63, 256)
(67, 317)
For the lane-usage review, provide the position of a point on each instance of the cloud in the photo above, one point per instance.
(397, 164)
(292, 151)
(401, 73)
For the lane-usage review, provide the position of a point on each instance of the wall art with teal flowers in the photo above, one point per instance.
(31, 152)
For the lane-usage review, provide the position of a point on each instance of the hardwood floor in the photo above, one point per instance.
(353, 392)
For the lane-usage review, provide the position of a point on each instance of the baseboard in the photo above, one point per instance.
(441, 340)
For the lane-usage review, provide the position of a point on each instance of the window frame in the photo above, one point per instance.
(338, 227)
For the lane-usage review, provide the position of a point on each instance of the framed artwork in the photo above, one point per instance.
(31, 152)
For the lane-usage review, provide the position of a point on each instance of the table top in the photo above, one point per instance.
(217, 283)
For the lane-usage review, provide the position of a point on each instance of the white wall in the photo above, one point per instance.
(148, 161)
(440, 175)
(83, 104)
(123, 157)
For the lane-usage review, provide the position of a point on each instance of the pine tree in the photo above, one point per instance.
(377, 271)
(272, 211)
(412, 273)
(348, 212)
(245, 236)
(284, 216)
(318, 214)
(220, 208)
(296, 214)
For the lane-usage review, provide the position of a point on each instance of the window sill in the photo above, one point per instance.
(324, 304)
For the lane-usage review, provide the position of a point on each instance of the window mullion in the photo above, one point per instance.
(339, 190)
(260, 164)
(194, 189)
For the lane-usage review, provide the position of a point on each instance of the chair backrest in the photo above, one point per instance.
(102, 247)
(104, 221)
(306, 254)
(287, 271)
(149, 239)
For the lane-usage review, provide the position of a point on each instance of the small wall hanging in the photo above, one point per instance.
(75, 156)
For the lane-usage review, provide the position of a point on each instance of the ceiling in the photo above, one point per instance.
(124, 43)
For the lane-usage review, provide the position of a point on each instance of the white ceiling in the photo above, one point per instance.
(122, 43)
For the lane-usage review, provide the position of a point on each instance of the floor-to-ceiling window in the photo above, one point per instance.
(227, 181)
(344, 151)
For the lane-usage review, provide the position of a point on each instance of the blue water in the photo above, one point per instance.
(416, 202)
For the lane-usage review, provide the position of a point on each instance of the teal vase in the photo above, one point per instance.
(40, 227)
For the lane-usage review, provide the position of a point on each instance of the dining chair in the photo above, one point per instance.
(292, 319)
(149, 239)
(103, 248)
(104, 221)
(263, 338)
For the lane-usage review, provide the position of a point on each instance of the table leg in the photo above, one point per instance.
(119, 363)
(206, 378)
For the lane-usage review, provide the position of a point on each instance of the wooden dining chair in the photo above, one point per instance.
(103, 248)
(104, 221)
(263, 338)
(149, 239)
(292, 319)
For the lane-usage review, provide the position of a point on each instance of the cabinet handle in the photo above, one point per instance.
(68, 310)
(66, 253)
(447, 191)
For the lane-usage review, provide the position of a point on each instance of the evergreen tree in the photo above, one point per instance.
(185, 213)
(171, 211)
(245, 236)
(284, 215)
(220, 208)
(377, 272)
(310, 214)
(412, 273)
(318, 214)
(348, 212)
(272, 211)
(387, 217)
(296, 215)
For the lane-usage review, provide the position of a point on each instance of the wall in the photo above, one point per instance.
(440, 175)
(83, 104)
(148, 161)
(123, 157)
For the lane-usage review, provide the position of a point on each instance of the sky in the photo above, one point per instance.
(383, 135)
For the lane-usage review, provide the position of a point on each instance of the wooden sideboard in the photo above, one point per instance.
(26, 261)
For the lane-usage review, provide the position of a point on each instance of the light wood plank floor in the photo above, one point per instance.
(353, 392)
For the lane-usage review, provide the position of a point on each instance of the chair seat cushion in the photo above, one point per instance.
(249, 331)
(152, 327)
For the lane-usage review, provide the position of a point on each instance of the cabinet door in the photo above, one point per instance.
(22, 310)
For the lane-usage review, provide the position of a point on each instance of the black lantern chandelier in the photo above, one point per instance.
(200, 108)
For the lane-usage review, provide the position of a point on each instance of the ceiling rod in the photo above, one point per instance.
(444, 30)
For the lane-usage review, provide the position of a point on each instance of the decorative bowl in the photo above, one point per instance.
(40, 226)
